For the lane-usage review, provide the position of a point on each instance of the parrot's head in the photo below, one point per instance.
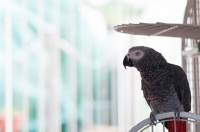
(141, 57)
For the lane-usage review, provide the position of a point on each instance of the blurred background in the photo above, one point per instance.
(61, 63)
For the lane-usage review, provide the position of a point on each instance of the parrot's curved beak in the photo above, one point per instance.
(127, 62)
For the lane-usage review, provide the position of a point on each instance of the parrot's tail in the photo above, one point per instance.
(179, 126)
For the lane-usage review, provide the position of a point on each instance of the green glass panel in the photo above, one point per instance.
(32, 32)
(17, 1)
(2, 62)
(16, 30)
(2, 85)
(33, 5)
(17, 86)
(49, 11)
(33, 77)
(2, 25)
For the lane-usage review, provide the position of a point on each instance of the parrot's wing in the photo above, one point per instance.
(181, 86)
(144, 87)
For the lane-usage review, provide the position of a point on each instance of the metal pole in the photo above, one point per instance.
(163, 126)
(120, 80)
(58, 122)
(73, 124)
(53, 71)
(197, 83)
(41, 96)
(25, 98)
(89, 88)
(8, 68)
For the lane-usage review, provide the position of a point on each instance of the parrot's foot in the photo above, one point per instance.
(153, 118)
(177, 114)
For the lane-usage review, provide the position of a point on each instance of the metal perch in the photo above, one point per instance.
(164, 117)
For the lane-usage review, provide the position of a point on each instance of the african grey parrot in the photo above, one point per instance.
(165, 86)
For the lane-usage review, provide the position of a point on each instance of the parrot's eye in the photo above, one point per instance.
(137, 53)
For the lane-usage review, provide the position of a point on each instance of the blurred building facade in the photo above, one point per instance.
(61, 66)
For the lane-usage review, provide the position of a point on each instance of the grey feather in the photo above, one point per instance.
(165, 86)
(181, 86)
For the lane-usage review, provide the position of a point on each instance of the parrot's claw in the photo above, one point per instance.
(153, 118)
(177, 114)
